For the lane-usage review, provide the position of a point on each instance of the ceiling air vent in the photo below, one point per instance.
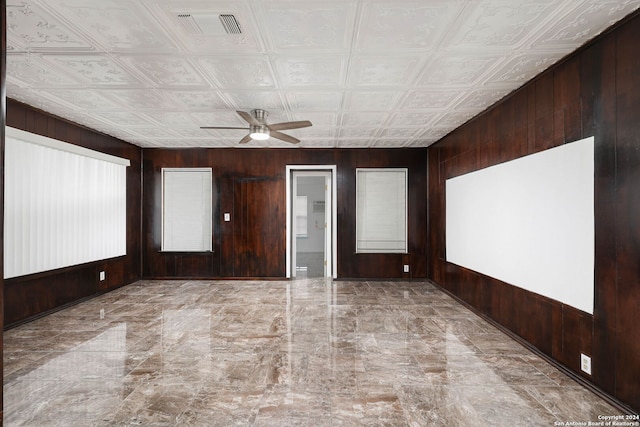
(209, 24)
(230, 24)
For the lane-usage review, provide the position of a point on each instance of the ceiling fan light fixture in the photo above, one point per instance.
(259, 133)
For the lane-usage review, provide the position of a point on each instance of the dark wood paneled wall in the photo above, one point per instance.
(250, 185)
(31, 295)
(595, 91)
(3, 116)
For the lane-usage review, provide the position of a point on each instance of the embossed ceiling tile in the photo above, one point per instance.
(310, 25)
(248, 100)
(125, 134)
(234, 135)
(458, 68)
(218, 118)
(435, 133)
(371, 101)
(405, 133)
(322, 70)
(364, 119)
(314, 101)
(353, 132)
(318, 119)
(99, 70)
(353, 143)
(314, 132)
(154, 132)
(172, 71)
(276, 116)
(482, 98)
(431, 99)
(500, 23)
(31, 70)
(244, 72)
(117, 25)
(451, 120)
(195, 100)
(584, 20)
(383, 70)
(521, 68)
(92, 121)
(405, 25)
(89, 100)
(407, 119)
(318, 143)
(171, 119)
(142, 99)
(30, 27)
(123, 118)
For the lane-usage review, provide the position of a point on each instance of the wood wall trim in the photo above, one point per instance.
(595, 91)
(621, 406)
(250, 185)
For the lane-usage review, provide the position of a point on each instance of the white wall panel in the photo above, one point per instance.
(529, 222)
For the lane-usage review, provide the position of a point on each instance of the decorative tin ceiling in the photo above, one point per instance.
(367, 73)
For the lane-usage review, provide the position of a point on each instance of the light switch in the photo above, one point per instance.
(227, 217)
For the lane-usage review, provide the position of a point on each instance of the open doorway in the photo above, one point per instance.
(311, 236)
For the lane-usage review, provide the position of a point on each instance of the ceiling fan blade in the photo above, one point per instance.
(290, 125)
(244, 140)
(284, 137)
(248, 118)
(221, 127)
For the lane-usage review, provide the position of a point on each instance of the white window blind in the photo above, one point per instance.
(64, 204)
(381, 210)
(186, 209)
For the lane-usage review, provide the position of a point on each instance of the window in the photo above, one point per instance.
(64, 204)
(186, 209)
(381, 210)
(301, 216)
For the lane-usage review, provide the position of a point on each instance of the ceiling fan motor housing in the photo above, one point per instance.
(260, 115)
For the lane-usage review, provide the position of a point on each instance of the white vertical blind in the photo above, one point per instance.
(381, 210)
(186, 209)
(62, 208)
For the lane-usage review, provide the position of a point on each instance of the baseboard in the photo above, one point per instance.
(613, 401)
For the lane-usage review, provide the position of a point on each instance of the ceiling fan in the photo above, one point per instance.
(260, 130)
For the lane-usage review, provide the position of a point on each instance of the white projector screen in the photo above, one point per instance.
(64, 204)
(529, 222)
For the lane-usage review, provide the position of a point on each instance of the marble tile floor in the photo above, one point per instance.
(308, 352)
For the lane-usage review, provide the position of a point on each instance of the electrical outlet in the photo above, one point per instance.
(585, 363)
(406, 268)
(101, 313)
(103, 275)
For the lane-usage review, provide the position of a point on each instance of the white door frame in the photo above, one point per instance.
(331, 245)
